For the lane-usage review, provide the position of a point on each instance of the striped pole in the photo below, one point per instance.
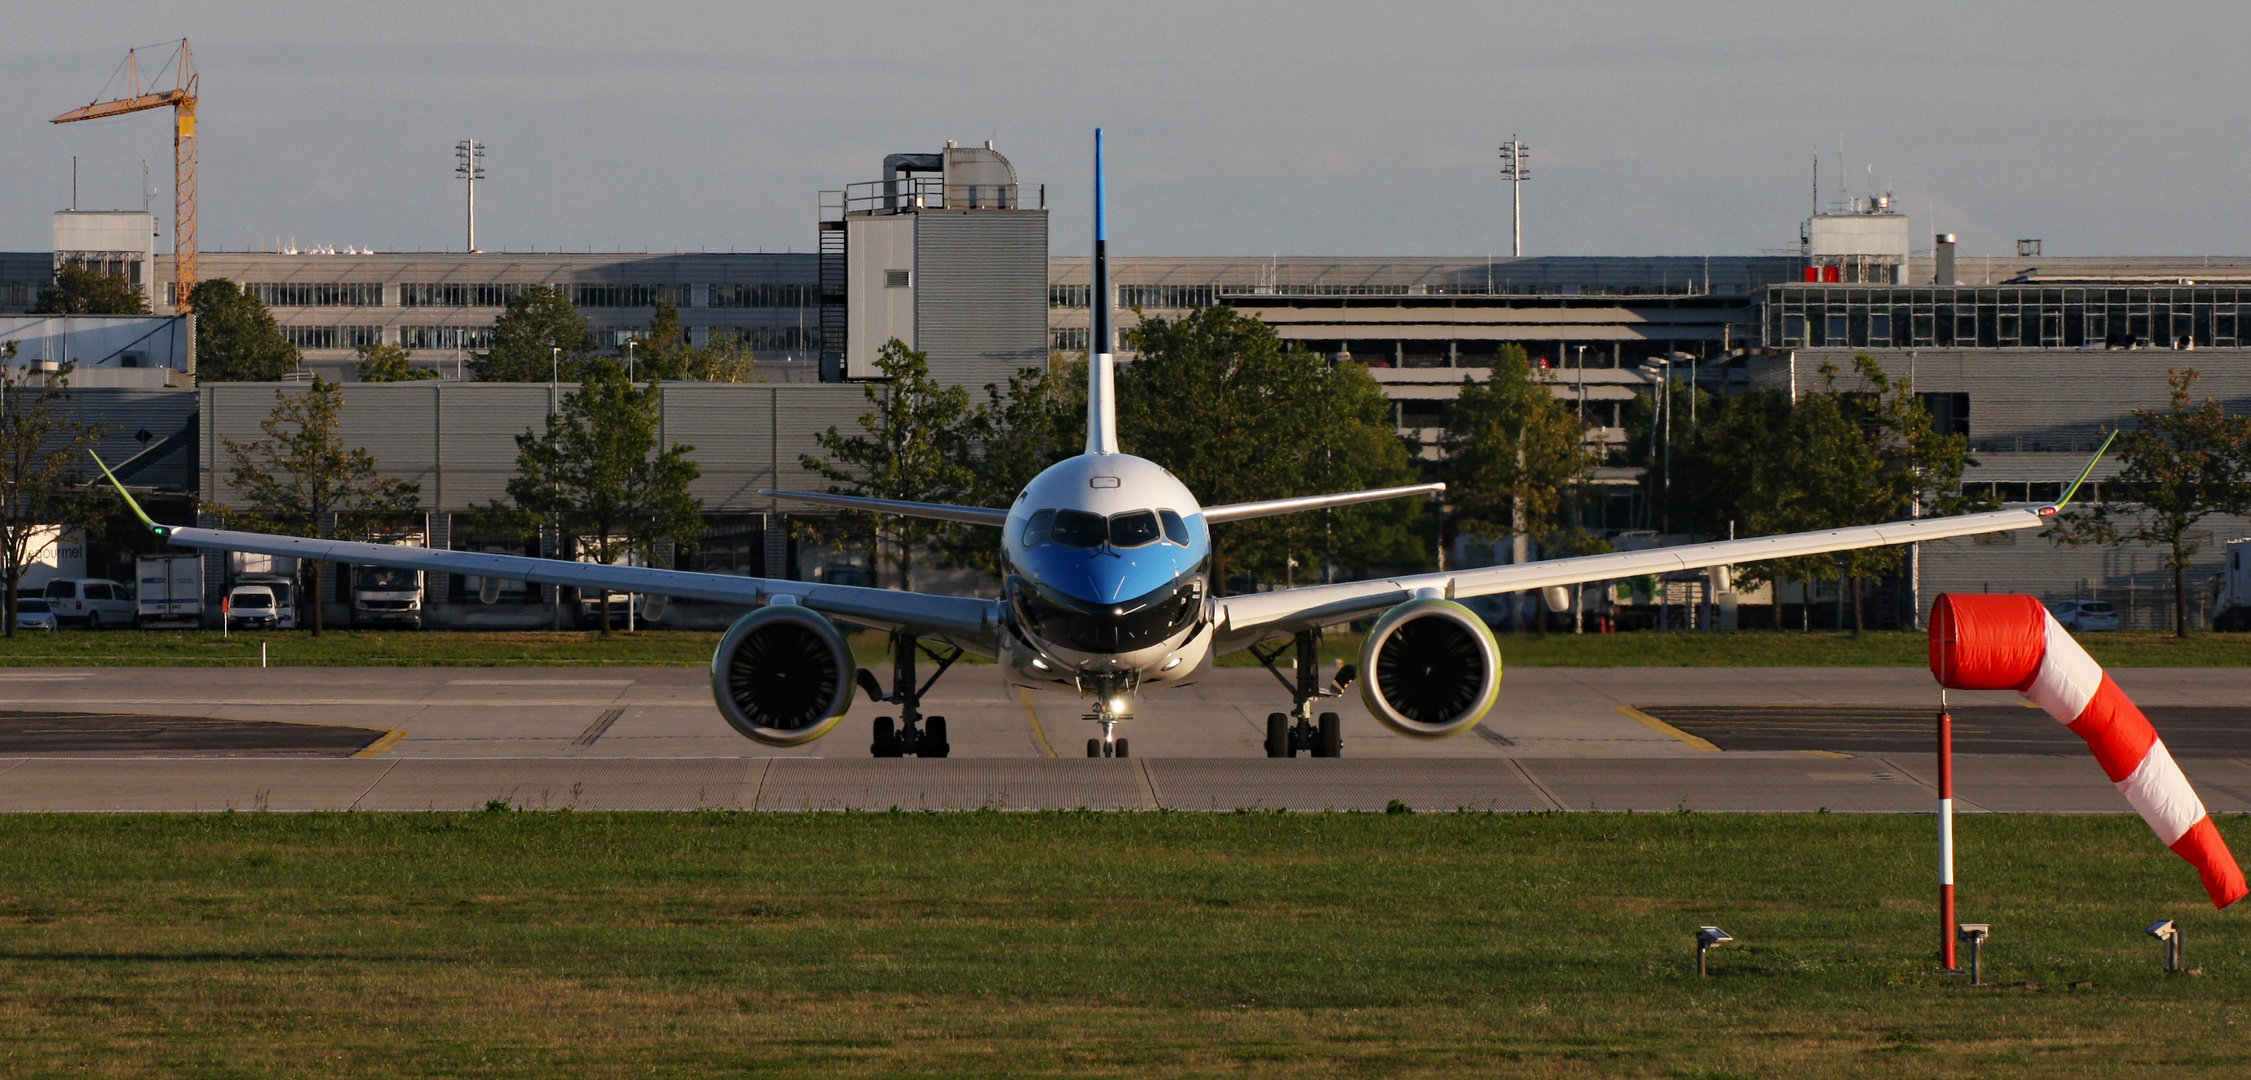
(1945, 833)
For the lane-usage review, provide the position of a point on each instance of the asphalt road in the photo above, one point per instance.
(1845, 740)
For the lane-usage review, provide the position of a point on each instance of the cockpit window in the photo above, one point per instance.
(1133, 529)
(1079, 529)
(1176, 530)
(1036, 528)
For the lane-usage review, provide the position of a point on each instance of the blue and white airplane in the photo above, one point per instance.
(1107, 595)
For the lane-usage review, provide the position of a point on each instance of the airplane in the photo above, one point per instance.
(1106, 560)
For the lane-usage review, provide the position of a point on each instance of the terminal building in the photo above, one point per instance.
(2031, 357)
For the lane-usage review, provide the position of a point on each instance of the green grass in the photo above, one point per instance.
(692, 648)
(1309, 945)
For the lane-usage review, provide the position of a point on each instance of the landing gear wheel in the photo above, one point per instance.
(934, 742)
(1278, 735)
(886, 738)
(1094, 748)
(1332, 736)
(1121, 748)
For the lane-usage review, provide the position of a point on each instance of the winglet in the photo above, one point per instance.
(2083, 475)
(159, 530)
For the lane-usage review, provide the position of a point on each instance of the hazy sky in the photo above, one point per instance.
(1236, 129)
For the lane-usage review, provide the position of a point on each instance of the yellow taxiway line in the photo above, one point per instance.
(1655, 724)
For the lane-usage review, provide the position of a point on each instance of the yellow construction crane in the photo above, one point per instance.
(181, 98)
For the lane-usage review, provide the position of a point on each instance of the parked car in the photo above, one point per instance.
(91, 602)
(2087, 616)
(33, 613)
(256, 607)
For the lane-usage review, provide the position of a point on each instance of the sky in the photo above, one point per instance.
(1245, 129)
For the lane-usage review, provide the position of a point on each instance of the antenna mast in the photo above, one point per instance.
(471, 168)
(1516, 165)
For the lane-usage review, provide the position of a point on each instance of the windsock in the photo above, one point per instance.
(1981, 642)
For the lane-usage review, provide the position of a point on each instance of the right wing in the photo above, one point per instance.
(1246, 619)
(967, 515)
(967, 621)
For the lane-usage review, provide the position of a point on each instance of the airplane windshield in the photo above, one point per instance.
(1036, 528)
(1133, 529)
(1176, 530)
(1079, 529)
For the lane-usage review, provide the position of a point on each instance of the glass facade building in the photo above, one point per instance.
(2030, 316)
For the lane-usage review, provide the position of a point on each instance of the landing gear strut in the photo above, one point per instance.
(1297, 730)
(1109, 696)
(912, 735)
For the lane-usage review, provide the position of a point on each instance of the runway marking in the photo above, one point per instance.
(1655, 724)
(1024, 694)
(596, 729)
(1826, 753)
(41, 677)
(1538, 788)
(539, 682)
(382, 744)
(387, 767)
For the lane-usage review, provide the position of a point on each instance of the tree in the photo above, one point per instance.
(525, 338)
(1238, 415)
(2177, 467)
(1516, 456)
(1830, 460)
(301, 480)
(80, 291)
(916, 445)
(42, 450)
(236, 338)
(390, 363)
(1020, 430)
(598, 473)
(664, 352)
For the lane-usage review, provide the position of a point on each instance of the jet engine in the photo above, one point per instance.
(1430, 669)
(783, 675)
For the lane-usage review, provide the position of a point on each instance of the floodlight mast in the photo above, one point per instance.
(470, 154)
(1516, 166)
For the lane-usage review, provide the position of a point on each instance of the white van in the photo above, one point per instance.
(263, 605)
(91, 602)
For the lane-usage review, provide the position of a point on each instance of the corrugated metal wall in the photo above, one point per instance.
(981, 293)
(458, 440)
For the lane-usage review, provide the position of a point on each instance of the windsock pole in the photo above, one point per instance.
(1945, 833)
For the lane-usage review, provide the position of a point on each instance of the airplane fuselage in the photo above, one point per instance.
(1106, 564)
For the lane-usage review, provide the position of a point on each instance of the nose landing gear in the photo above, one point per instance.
(912, 735)
(1109, 708)
(1288, 734)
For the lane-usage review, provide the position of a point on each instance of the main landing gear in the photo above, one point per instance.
(1297, 730)
(912, 735)
(1109, 708)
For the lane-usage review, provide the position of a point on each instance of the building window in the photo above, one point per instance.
(1066, 339)
(316, 294)
(1950, 413)
(897, 279)
(765, 296)
(445, 337)
(625, 296)
(332, 337)
(1068, 296)
(1174, 297)
(769, 339)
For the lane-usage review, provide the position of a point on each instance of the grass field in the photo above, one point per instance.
(1756, 648)
(572, 944)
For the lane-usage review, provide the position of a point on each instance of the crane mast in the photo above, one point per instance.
(181, 99)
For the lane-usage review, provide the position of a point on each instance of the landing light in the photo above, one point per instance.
(1170, 664)
(1039, 663)
(1117, 704)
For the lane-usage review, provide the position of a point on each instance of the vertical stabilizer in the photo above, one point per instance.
(1101, 377)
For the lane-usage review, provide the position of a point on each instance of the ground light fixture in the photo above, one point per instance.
(1707, 937)
(1973, 934)
(2176, 949)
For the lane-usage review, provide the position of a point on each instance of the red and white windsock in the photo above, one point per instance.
(1981, 642)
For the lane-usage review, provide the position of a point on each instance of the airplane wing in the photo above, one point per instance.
(967, 621)
(1245, 619)
(967, 515)
(1239, 511)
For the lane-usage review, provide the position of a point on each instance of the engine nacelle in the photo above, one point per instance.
(1430, 669)
(783, 675)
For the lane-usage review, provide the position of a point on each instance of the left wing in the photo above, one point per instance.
(967, 621)
(1251, 617)
(967, 515)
